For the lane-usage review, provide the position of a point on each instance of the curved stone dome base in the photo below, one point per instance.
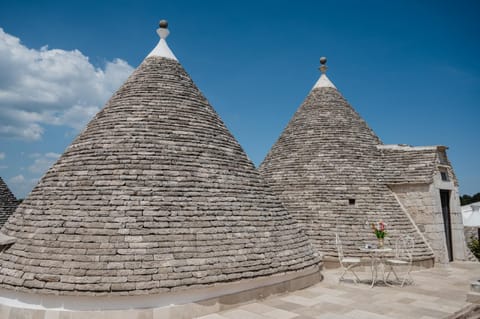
(181, 304)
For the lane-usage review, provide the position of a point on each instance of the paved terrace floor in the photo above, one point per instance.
(436, 293)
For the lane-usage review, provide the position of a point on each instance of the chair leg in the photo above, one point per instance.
(389, 272)
(394, 273)
(407, 276)
(343, 274)
(373, 270)
(345, 270)
(357, 279)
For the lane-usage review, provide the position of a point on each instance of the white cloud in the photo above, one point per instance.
(21, 186)
(2, 157)
(51, 86)
(42, 162)
(24, 182)
(17, 179)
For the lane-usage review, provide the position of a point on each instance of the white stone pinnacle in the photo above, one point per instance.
(162, 49)
(323, 82)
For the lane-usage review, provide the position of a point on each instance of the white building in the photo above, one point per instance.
(471, 220)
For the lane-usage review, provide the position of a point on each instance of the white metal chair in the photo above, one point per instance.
(403, 259)
(347, 263)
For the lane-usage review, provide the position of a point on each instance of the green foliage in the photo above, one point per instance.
(474, 246)
(467, 199)
(379, 229)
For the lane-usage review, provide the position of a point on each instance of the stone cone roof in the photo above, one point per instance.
(154, 195)
(8, 202)
(326, 157)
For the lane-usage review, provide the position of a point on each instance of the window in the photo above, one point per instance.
(351, 201)
(442, 156)
(444, 175)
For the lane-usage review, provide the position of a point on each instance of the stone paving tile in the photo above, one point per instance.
(440, 305)
(241, 314)
(4, 312)
(361, 314)
(280, 314)
(380, 309)
(416, 312)
(329, 315)
(317, 290)
(306, 293)
(406, 300)
(323, 308)
(49, 315)
(64, 315)
(416, 296)
(257, 308)
(212, 316)
(280, 304)
(359, 297)
(333, 299)
(436, 293)
(300, 300)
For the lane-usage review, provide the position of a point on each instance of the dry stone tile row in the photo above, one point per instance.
(155, 194)
(8, 202)
(412, 165)
(328, 172)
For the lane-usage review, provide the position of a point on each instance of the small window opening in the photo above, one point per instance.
(351, 201)
(442, 156)
(444, 176)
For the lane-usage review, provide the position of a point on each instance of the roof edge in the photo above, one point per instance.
(405, 147)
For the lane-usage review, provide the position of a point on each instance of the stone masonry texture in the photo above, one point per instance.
(8, 202)
(154, 195)
(327, 170)
(414, 165)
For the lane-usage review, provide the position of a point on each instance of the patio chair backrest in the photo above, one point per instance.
(404, 247)
(338, 243)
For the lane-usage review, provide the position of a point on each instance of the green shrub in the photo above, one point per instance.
(474, 246)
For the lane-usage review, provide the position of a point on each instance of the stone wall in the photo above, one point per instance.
(423, 203)
(418, 201)
(471, 232)
(460, 249)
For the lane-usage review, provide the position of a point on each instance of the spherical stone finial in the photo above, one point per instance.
(323, 60)
(163, 24)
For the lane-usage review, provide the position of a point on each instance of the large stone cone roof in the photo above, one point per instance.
(154, 195)
(8, 202)
(326, 156)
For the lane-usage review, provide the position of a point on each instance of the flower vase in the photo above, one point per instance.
(380, 242)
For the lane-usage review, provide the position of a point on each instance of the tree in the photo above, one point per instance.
(467, 199)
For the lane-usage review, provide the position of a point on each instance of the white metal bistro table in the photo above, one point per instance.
(377, 256)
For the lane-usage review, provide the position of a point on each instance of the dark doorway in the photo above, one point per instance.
(445, 199)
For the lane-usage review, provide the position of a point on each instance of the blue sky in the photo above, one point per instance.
(410, 68)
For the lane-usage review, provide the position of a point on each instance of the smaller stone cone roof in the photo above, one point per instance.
(327, 170)
(8, 202)
(404, 164)
(154, 196)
